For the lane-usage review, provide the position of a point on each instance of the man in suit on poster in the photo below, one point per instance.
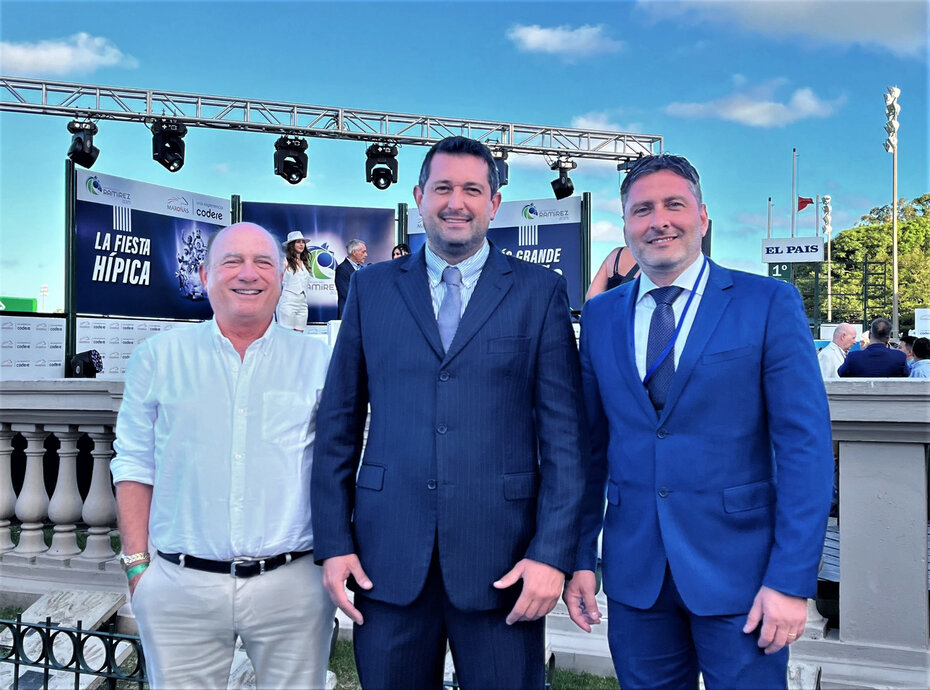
(710, 436)
(356, 253)
(462, 520)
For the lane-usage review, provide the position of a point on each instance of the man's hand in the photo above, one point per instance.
(133, 583)
(783, 618)
(336, 571)
(579, 598)
(541, 587)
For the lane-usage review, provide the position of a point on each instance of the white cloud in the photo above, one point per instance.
(757, 107)
(570, 43)
(77, 54)
(605, 231)
(895, 26)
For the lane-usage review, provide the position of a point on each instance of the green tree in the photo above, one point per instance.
(870, 240)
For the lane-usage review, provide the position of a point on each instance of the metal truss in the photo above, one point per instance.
(252, 115)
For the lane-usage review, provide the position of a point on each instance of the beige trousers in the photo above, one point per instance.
(189, 620)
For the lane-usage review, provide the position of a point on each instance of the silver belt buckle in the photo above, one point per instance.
(233, 564)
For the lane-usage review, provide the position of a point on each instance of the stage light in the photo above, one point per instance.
(503, 170)
(563, 186)
(290, 158)
(82, 150)
(168, 143)
(381, 165)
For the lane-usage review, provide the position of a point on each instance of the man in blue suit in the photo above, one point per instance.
(877, 360)
(710, 437)
(462, 520)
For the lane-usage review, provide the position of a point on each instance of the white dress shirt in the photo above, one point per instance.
(830, 359)
(645, 305)
(296, 282)
(470, 270)
(226, 443)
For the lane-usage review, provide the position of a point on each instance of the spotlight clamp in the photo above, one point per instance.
(563, 186)
(381, 165)
(168, 143)
(290, 158)
(82, 150)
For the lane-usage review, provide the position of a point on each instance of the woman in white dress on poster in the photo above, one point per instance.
(292, 306)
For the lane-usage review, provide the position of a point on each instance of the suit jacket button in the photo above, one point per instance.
(662, 433)
(663, 492)
(444, 376)
(442, 428)
(431, 484)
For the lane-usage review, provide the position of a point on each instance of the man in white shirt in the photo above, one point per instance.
(833, 355)
(213, 456)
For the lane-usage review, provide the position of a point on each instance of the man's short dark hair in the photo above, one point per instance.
(922, 348)
(647, 165)
(908, 340)
(461, 146)
(880, 330)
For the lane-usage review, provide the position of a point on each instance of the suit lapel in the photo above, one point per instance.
(714, 302)
(622, 344)
(413, 284)
(495, 282)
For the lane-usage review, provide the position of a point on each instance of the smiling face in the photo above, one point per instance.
(663, 225)
(243, 277)
(456, 205)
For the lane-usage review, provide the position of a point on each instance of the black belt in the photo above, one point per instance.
(236, 568)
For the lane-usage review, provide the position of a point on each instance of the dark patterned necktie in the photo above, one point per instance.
(450, 311)
(661, 328)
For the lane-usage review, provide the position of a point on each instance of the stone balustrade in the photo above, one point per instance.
(882, 427)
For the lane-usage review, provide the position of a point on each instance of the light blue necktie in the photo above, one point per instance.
(661, 328)
(450, 311)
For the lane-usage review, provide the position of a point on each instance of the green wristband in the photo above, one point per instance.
(135, 570)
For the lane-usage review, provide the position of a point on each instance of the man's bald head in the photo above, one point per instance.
(844, 336)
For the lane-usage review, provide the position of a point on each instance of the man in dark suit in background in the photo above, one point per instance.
(710, 436)
(877, 360)
(356, 253)
(462, 520)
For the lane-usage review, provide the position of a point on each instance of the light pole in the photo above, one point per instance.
(891, 146)
(43, 291)
(827, 228)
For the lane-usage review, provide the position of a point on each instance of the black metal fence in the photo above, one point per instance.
(45, 649)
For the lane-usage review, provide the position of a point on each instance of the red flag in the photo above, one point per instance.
(804, 202)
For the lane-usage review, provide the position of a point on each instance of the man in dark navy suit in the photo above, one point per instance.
(461, 522)
(877, 360)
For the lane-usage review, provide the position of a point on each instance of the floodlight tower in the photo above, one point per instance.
(891, 146)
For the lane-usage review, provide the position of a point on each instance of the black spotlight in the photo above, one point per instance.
(563, 186)
(381, 165)
(168, 143)
(82, 150)
(503, 170)
(85, 365)
(290, 158)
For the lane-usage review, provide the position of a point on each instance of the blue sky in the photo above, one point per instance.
(732, 86)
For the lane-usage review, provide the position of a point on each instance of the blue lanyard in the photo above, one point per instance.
(671, 342)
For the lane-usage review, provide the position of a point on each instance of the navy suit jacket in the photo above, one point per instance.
(344, 273)
(731, 484)
(875, 361)
(476, 451)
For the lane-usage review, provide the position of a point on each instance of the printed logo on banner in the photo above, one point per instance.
(122, 219)
(96, 188)
(8, 325)
(7, 363)
(530, 212)
(192, 253)
(528, 235)
(179, 204)
(322, 262)
(7, 344)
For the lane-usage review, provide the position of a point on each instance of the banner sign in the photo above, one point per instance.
(139, 246)
(115, 339)
(792, 250)
(32, 347)
(541, 231)
(328, 228)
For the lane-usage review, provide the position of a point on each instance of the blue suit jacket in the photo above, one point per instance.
(875, 361)
(731, 485)
(478, 447)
